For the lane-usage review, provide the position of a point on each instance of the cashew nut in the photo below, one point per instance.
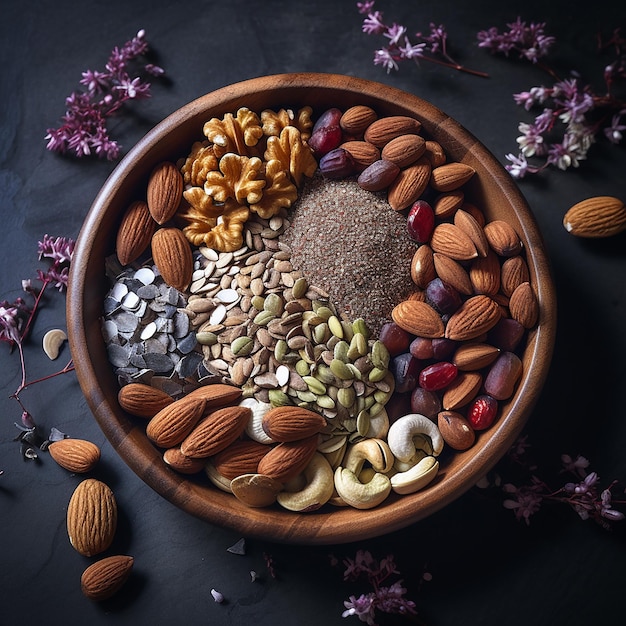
(255, 490)
(361, 495)
(52, 342)
(376, 451)
(254, 428)
(415, 478)
(318, 490)
(379, 425)
(220, 481)
(404, 429)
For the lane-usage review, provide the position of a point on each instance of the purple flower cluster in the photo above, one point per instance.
(84, 130)
(526, 41)
(383, 598)
(431, 46)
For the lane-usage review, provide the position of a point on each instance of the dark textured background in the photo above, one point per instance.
(487, 568)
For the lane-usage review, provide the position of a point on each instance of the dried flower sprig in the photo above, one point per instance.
(16, 321)
(582, 491)
(84, 130)
(431, 46)
(571, 114)
(383, 598)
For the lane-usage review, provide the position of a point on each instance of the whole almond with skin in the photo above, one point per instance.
(474, 356)
(450, 240)
(503, 238)
(423, 266)
(363, 153)
(476, 316)
(404, 150)
(172, 424)
(75, 455)
(164, 191)
(484, 274)
(451, 176)
(286, 460)
(91, 517)
(289, 423)
(468, 224)
(355, 120)
(598, 216)
(435, 153)
(181, 463)
(216, 394)
(378, 176)
(418, 318)
(524, 306)
(385, 129)
(172, 255)
(452, 273)
(475, 212)
(514, 272)
(240, 457)
(462, 390)
(216, 431)
(135, 232)
(409, 185)
(446, 204)
(455, 430)
(143, 400)
(106, 577)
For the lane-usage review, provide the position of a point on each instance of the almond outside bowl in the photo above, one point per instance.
(491, 189)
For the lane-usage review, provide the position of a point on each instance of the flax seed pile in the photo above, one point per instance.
(350, 242)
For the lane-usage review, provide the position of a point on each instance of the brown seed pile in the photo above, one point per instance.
(350, 242)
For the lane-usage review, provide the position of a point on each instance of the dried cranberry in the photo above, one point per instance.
(405, 369)
(482, 412)
(324, 140)
(420, 221)
(437, 376)
(330, 117)
(394, 338)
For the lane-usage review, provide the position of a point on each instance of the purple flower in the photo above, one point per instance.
(524, 502)
(529, 42)
(578, 465)
(411, 51)
(365, 7)
(373, 24)
(531, 139)
(394, 33)
(60, 249)
(385, 58)
(362, 607)
(13, 320)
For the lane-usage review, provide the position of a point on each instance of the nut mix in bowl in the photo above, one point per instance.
(310, 307)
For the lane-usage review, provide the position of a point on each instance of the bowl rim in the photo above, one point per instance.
(127, 437)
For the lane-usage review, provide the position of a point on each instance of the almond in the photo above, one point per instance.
(385, 129)
(423, 266)
(450, 240)
(75, 455)
(418, 318)
(524, 306)
(476, 316)
(462, 390)
(356, 119)
(455, 430)
(598, 216)
(485, 274)
(502, 238)
(468, 224)
(216, 394)
(404, 150)
(435, 154)
(453, 273)
(164, 191)
(181, 463)
(143, 400)
(216, 431)
(475, 212)
(446, 204)
(172, 424)
(289, 423)
(451, 176)
(135, 232)
(105, 577)
(91, 517)
(514, 272)
(240, 457)
(409, 185)
(172, 255)
(363, 153)
(474, 356)
(286, 460)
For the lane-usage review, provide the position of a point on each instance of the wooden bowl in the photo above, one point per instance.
(492, 189)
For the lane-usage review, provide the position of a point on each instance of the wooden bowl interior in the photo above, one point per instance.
(491, 189)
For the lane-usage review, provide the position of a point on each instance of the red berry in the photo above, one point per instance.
(420, 221)
(437, 376)
(482, 412)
